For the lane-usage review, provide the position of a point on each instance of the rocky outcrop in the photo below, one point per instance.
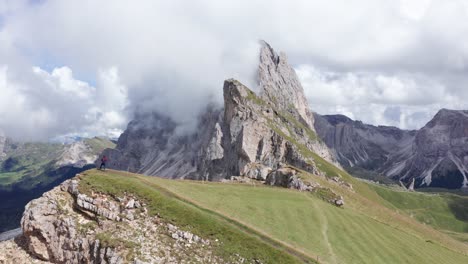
(291, 178)
(250, 137)
(66, 226)
(280, 84)
(13, 252)
(77, 154)
(436, 155)
(288, 178)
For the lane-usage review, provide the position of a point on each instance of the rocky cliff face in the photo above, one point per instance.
(435, 155)
(280, 85)
(251, 136)
(438, 156)
(67, 226)
(358, 144)
(151, 146)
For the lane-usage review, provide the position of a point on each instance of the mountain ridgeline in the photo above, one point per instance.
(434, 156)
(255, 134)
(251, 136)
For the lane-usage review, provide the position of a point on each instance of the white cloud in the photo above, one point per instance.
(172, 57)
(405, 100)
(59, 104)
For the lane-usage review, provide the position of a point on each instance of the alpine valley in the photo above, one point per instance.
(262, 179)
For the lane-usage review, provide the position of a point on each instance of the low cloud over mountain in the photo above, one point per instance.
(86, 67)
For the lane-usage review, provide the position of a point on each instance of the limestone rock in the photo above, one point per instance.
(436, 155)
(77, 154)
(286, 177)
(339, 202)
(256, 171)
(280, 84)
(12, 251)
(66, 226)
(249, 137)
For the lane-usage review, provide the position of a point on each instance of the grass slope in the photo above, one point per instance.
(292, 223)
(235, 238)
(443, 211)
(27, 159)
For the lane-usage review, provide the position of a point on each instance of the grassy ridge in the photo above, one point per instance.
(189, 217)
(356, 234)
(443, 211)
(315, 227)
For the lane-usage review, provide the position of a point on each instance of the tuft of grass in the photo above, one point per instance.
(326, 194)
(296, 123)
(84, 228)
(254, 98)
(108, 239)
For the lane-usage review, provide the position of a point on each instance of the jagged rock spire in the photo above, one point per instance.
(280, 85)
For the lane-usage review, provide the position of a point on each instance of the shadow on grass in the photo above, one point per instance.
(459, 208)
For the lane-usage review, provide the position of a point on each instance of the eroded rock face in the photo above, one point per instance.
(52, 229)
(66, 226)
(13, 252)
(358, 144)
(280, 84)
(77, 154)
(249, 137)
(436, 155)
(151, 145)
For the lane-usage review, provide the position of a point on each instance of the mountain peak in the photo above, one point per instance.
(447, 112)
(280, 85)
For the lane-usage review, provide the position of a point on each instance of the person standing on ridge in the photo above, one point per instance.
(103, 162)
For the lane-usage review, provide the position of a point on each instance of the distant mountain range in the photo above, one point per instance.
(252, 135)
(434, 156)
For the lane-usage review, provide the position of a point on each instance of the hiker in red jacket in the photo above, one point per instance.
(103, 162)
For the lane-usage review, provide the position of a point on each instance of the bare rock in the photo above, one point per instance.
(13, 252)
(130, 204)
(280, 84)
(65, 226)
(339, 202)
(288, 178)
(256, 171)
(249, 137)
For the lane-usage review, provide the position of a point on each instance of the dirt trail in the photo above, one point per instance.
(324, 224)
